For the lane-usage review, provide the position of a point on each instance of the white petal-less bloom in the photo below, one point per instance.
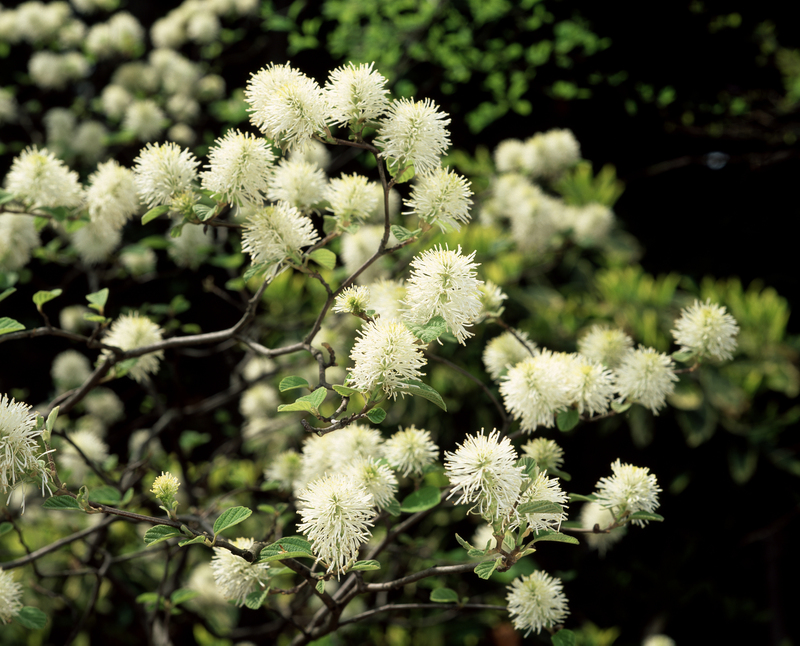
(104, 404)
(351, 198)
(165, 487)
(377, 478)
(302, 184)
(352, 300)
(558, 148)
(95, 241)
(354, 441)
(18, 237)
(441, 198)
(509, 155)
(605, 345)
(10, 596)
(114, 100)
(285, 469)
(257, 367)
(38, 178)
(505, 351)
(483, 472)
(591, 224)
(707, 329)
(658, 640)
(69, 370)
(549, 490)
(646, 377)
(19, 445)
(337, 514)
(410, 450)
(492, 298)
(444, 283)
(131, 331)
(360, 246)
(51, 71)
(386, 298)
(628, 490)
(235, 577)
(414, 132)
(239, 168)
(536, 601)
(8, 107)
(380, 206)
(138, 260)
(535, 389)
(593, 514)
(111, 196)
(313, 152)
(275, 233)
(286, 105)
(484, 535)
(163, 172)
(546, 452)
(384, 355)
(144, 119)
(356, 93)
(593, 387)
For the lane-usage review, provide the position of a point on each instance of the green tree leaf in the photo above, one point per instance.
(464, 543)
(44, 296)
(429, 331)
(97, 300)
(309, 403)
(5, 528)
(256, 599)
(320, 587)
(7, 293)
(564, 638)
(345, 391)
(231, 517)
(566, 420)
(160, 533)
(444, 595)
(393, 507)
(153, 213)
(9, 325)
(646, 515)
(105, 495)
(292, 382)
(193, 541)
(557, 537)
(324, 258)
(289, 547)
(486, 569)
(62, 503)
(419, 389)
(578, 497)
(540, 507)
(181, 595)
(31, 618)
(376, 415)
(422, 499)
(366, 565)
(402, 234)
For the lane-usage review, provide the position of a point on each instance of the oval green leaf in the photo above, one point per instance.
(256, 599)
(566, 420)
(578, 497)
(182, 595)
(193, 541)
(418, 389)
(160, 533)
(540, 507)
(556, 537)
(376, 415)
(31, 618)
(324, 258)
(345, 391)
(292, 382)
(425, 498)
(484, 570)
(564, 638)
(646, 515)
(366, 565)
(7, 293)
(444, 595)
(5, 528)
(231, 517)
(153, 213)
(61, 502)
(10, 325)
(44, 296)
(105, 495)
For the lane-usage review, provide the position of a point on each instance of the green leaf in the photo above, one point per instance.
(255, 270)
(97, 300)
(309, 403)
(320, 587)
(182, 595)
(429, 331)
(59, 213)
(564, 638)
(566, 477)
(486, 569)
(290, 383)
(376, 415)
(444, 595)
(646, 515)
(256, 599)
(568, 419)
(160, 533)
(683, 357)
(345, 391)
(190, 439)
(540, 507)
(419, 389)
(393, 508)
(203, 211)
(621, 407)
(366, 565)
(7, 293)
(402, 234)
(6, 197)
(153, 213)
(43, 296)
(5, 528)
(324, 258)
(578, 497)
(105, 495)
(528, 465)
(405, 176)
(62, 503)
(9, 325)
(285, 548)
(557, 537)
(31, 618)
(425, 498)
(464, 543)
(231, 517)
(193, 541)
(95, 318)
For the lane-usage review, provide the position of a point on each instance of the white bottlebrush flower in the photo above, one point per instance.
(285, 469)
(376, 478)
(182, 134)
(260, 400)
(505, 351)
(38, 178)
(444, 283)
(379, 213)
(92, 447)
(165, 487)
(18, 237)
(144, 119)
(111, 197)
(558, 148)
(384, 355)
(163, 172)
(535, 389)
(299, 183)
(336, 514)
(414, 132)
(356, 94)
(628, 490)
(549, 490)
(351, 198)
(546, 452)
(89, 141)
(484, 535)
(235, 577)
(593, 386)
(410, 450)
(646, 377)
(441, 198)
(286, 105)
(51, 71)
(19, 445)
(239, 167)
(114, 100)
(313, 152)
(359, 247)
(71, 317)
(183, 107)
(276, 233)
(605, 345)
(69, 370)
(210, 87)
(355, 441)
(104, 404)
(536, 601)
(352, 300)
(492, 298)
(8, 107)
(10, 596)
(593, 515)
(202, 27)
(386, 298)
(257, 367)
(508, 156)
(658, 640)
(483, 472)
(131, 331)
(95, 241)
(591, 224)
(138, 260)
(708, 330)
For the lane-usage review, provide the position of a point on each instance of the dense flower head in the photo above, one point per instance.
(235, 577)
(286, 105)
(19, 445)
(104, 404)
(38, 178)
(646, 377)
(239, 168)
(360, 246)
(165, 487)
(314, 152)
(410, 450)
(707, 329)
(483, 471)
(386, 297)
(593, 386)
(628, 490)
(444, 283)
(374, 476)
(546, 452)
(558, 149)
(593, 514)
(536, 601)
(259, 400)
(336, 513)
(49, 70)
(277, 232)
(10, 596)
(605, 345)
(111, 196)
(356, 94)
(492, 298)
(414, 133)
(132, 331)
(144, 118)
(69, 370)
(505, 351)
(352, 300)
(193, 247)
(95, 241)
(351, 198)
(300, 183)
(658, 640)
(18, 237)
(442, 198)
(384, 356)
(163, 172)
(546, 489)
(284, 469)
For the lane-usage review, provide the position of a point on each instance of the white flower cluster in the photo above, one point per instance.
(19, 446)
(235, 577)
(708, 330)
(595, 515)
(10, 596)
(132, 331)
(536, 601)
(275, 234)
(628, 490)
(543, 154)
